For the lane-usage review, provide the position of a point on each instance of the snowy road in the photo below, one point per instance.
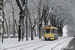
(40, 44)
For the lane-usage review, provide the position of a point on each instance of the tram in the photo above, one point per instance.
(50, 33)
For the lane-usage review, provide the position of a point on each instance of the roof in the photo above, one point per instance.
(51, 27)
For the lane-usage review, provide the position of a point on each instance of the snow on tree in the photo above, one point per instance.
(37, 13)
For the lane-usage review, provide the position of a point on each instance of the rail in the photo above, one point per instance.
(58, 44)
(47, 44)
(20, 45)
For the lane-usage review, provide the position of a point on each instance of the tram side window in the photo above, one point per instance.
(53, 31)
(56, 31)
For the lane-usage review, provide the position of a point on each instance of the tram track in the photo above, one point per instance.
(40, 46)
(59, 44)
(47, 44)
(42, 41)
(21, 45)
(33, 44)
(67, 46)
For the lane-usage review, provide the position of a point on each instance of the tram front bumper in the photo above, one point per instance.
(49, 38)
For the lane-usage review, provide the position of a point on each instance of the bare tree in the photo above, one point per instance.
(21, 19)
(1, 8)
(11, 11)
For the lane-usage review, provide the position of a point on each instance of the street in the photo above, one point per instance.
(36, 44)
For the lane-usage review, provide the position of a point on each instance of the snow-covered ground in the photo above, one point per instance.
(36, 44)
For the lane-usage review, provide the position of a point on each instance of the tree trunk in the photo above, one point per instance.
(60, 31)
(35, 32)
(14, 21)
(13, 28)
(26, 29)
(29, 30)
(2, 28)
(9, 28)
(31, 33)
(27, 15)
(21, 20)
(6, 27)
(40, 30)
(21, 26)
(19, 32)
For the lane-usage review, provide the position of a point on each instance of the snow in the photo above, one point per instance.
(10, 35)
(0, 17)
(52, 46)
(63, 9)
(63, 45)
(1, 45)
(37, 44)
(65, 31)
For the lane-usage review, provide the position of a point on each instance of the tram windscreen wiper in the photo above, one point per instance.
(47, 30)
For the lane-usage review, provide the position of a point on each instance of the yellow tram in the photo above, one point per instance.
(50, 33)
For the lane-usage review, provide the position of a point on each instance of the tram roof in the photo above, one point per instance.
(51, 27)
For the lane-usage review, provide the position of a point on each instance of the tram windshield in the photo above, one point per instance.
(47, 30)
